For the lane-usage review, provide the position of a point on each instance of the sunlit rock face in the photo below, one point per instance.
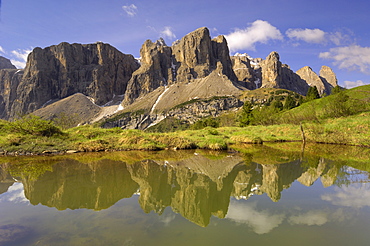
(278, 75)
(97, 70)
(323, 82)
(245, 73)
(328, 76)
(196, 66)
(195, 56)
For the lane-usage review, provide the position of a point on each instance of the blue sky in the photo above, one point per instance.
(304, 33)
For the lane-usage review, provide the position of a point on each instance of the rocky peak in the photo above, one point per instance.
(97, 70)
(327, 74)
(222, 54)
(244, 71)
(160, 42)
(6, 63)
(193, 57)
(271, 71)
(312, 79)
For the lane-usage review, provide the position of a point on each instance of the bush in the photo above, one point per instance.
(246, 116)
(200, 124)
(289, 103)
(312, 94)
(33, 125)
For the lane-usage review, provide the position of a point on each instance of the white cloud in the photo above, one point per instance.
(307, 35)
(15, 194)
(261, 222)
(168, 33)
(337, 37)
(2, 50)
(131, 10)
(20, 57)
(352, 84)
(317, 36)
(309, 218)
(356, 196)
(167, 219)
(258, 32)
(352, 57)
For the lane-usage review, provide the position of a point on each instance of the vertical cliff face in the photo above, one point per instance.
(9, 81)
(244, 72)
(96, 70)
(271, 71)
(195, 56)
(6, 63)
(278, 75)
(311, 78)
(324, 83)
(100, 71)
(329, 78)
(157, 69)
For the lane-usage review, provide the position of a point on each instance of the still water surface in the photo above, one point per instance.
(267, 195)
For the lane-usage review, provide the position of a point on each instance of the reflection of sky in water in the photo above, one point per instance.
(355, 196)
(261, 221)
(303, 214)
(14, 194)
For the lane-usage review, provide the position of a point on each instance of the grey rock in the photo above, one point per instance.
(96, 70)
(6, 63)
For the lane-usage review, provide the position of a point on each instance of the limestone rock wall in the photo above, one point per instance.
(100, 71)
(328, 76)
(195, 56)
(9, 81)
(6, 63)
(96, 70)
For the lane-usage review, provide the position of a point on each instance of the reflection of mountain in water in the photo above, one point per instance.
(75, 185)
(6, 179)
(196, 187)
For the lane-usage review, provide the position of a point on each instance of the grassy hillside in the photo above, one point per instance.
(342, 119)
(345, 103)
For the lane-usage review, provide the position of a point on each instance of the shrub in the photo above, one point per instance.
(34, 125)
(312, 94)
(200, 124)
(245, 116)
(289, 103)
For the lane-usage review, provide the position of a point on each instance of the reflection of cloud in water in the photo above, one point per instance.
(166, 219)
(356, 196)
(314, 217)
(15, 194)
(260, 221)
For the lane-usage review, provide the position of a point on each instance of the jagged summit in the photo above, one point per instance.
(6, 63)
(161, 42)
(196, 66)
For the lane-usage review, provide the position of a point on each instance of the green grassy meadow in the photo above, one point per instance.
(342, 119)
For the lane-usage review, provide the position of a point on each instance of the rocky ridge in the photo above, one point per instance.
(97, 70)
(6, 63)
(195, 67)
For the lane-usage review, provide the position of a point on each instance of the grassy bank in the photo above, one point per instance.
(343, 119)
(352, 130)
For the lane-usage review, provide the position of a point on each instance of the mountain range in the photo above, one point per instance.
(71, 79)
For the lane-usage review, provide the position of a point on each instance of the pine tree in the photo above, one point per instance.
(312, 94)
(246, 115)
(289, 103)
(336, 90)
